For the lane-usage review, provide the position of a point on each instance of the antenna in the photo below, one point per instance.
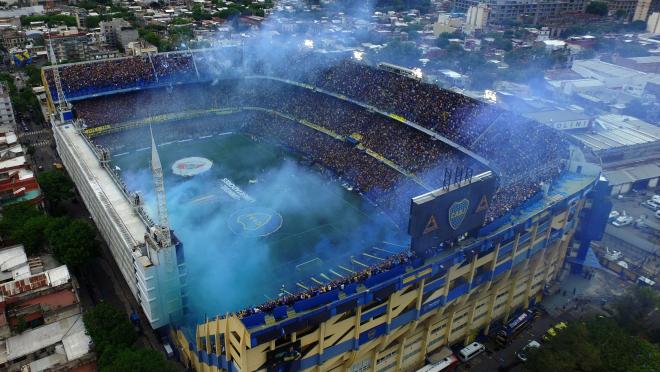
(161, 202)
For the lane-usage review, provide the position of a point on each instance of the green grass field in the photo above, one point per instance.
(236, 253)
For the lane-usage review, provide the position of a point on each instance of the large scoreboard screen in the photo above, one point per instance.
(449, 212)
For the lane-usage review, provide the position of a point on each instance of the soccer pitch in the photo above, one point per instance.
(260, 222)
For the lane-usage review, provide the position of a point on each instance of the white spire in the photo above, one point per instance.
(161, 202)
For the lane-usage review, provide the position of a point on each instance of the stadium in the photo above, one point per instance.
(316, 211)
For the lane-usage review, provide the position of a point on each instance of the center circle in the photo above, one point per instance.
(255, 222)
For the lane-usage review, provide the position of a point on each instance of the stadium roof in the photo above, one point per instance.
(103, 185)
(612, 131)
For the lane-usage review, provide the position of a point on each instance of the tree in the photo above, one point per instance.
(400, 53)
(73, 242)
(108, 327)
(200, 13)
(32, 234)
(596, 345)
(26, 225)
(598, 8)
(443, 39)
(140, 360)
(635, 307)
(57, 186)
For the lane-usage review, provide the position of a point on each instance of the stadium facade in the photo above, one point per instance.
(391, 320)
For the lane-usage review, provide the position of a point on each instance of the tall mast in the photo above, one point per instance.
(62, 104)
(161, 201)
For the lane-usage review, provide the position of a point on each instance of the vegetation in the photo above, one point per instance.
(73, 241)
(56, 185)
(400, 53)
(604, 344)
(24, 100)
(113, 336)
(25, 224)
(108, 326)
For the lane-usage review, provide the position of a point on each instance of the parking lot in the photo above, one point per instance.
(639, 245)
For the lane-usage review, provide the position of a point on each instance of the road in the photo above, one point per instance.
(588, 299)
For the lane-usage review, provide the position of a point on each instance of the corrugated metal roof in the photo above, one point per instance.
(633, 174)
(613, 131)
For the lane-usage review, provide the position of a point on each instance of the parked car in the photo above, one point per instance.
(622, 221)
(650, 204)
(471, 351)
(552, 331)
(522, 353)
(657, 214)
(656, 199)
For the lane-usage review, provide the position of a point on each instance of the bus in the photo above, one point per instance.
(514, 327)
(412, 74)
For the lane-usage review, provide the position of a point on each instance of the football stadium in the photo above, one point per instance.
(317, 211)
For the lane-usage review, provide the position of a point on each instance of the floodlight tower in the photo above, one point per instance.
(163, 227)
(62, 104)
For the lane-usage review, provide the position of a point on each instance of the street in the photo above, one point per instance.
(578, 298)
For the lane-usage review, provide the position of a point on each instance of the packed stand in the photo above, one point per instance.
(357, 277)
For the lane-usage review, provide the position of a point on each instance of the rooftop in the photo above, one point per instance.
(104, 185)
(69, 331)
(612, 131)
(556, 116)
(605, 69)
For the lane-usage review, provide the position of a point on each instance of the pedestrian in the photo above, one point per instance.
(574, 291)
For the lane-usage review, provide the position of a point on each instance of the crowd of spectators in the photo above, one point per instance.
(357, 277)
(524, 154)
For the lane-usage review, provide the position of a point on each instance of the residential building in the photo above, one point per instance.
(17, 181)
(7, 120)
(69, 47)
(477, 17)
(41, 323)
(626, 7)
(642, 10)
(532, 11)
(11, 38)
(448, 23)
(653, 24)
(138, 48)
(118, 32)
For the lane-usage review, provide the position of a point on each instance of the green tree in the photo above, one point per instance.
(443, 39)
(635, 307)
(400, 53)
(24, 224)
(200, 13)
(599, 344)
(57, 185)
(73, 242)
(140, 360)
(32, 234)
(598, 8)
(108, 327)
